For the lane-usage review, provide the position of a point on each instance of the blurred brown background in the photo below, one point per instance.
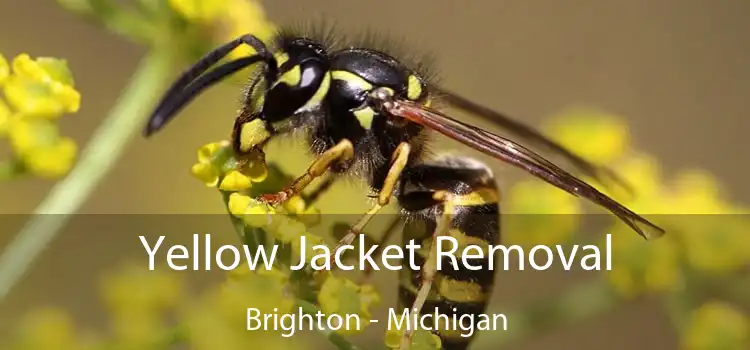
(677, 70)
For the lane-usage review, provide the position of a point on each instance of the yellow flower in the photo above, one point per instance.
(287, 229)
(264, 290)
(697, 218)
(44, 69)
(539, 213)
(643, 173)
(640, 266)
(206, 152)
(311, 241)
(48, 329)
(716, 325)
(135, 288)
(206, 172)
(208, 169)
(234, 18)
(215, 161)
(597, 136)
(138, 328)
(310, 217)
(4, 69)
(342, 297)
(37, 92)
(258, 214)
(212, 319)
(252, 212)
(6, 116)
(421, 340)
(295, 205)
(713, 236)
(238, 204)
(697, 192)
(41, 88)
(27, 135)
(716, 243)
(199, 10)
(235, 181)
(537, 197)
(138, 298)
(43, 151)
(54, 161)
(244, 17)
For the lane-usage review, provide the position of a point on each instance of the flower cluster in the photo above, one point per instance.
(212, 321)
(187, 27)
(717, 325)
(707, 235)
(233, 18)
(37, 92)
(154, 310)
(285, 225)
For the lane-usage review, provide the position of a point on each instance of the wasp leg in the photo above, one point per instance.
(381, 245)
(454, 197)
(398, 163)
(429, 268)
(341, 152)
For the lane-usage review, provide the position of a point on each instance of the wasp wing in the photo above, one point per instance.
(519, 156)
(525, 132)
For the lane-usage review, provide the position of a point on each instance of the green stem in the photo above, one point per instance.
(340, 342)
(96, 160)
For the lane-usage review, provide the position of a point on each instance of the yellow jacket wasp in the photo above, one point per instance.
(366, 114)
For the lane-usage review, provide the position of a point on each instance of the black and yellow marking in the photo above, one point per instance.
(252, 134)
(281, 58)
(321, 93)
(366, 114)
(292, 77)
(414, 89)
(461, 203)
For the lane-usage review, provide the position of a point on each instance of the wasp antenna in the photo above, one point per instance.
(186, 87)
(169, 107)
